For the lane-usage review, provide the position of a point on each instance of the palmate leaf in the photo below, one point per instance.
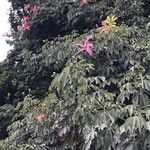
(73, 75)
(89, 134)
(133, 124)
(84, 87)
(146, 84)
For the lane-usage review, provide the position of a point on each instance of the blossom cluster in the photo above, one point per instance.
(31, 10)
(25, 24)
(107, 25)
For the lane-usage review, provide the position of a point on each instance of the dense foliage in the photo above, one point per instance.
(68, 84)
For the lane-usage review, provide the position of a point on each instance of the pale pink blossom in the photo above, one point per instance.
(35, 9)
(86, 46)
(104, 26)
(24, 27)
(25, 24)
(104, 23)
(84, 2)
(27, 6)
(41, 117)
(25, 19)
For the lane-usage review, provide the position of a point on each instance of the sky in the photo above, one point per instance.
(4, 28)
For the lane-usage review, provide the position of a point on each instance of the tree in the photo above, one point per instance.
(88, 89)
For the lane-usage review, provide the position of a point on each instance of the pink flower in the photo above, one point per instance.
(84, 2)
(87, 46)
(25, 19)
(35, 9)
(104, 26)
(104, 23)
(27, 6)
(41, 117)
(24, 27)
(25, 24)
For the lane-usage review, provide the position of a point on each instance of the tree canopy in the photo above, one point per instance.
(78, 76)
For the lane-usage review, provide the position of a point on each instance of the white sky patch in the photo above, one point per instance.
(4, 28)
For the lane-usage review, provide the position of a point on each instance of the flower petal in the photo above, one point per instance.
(89, 50)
